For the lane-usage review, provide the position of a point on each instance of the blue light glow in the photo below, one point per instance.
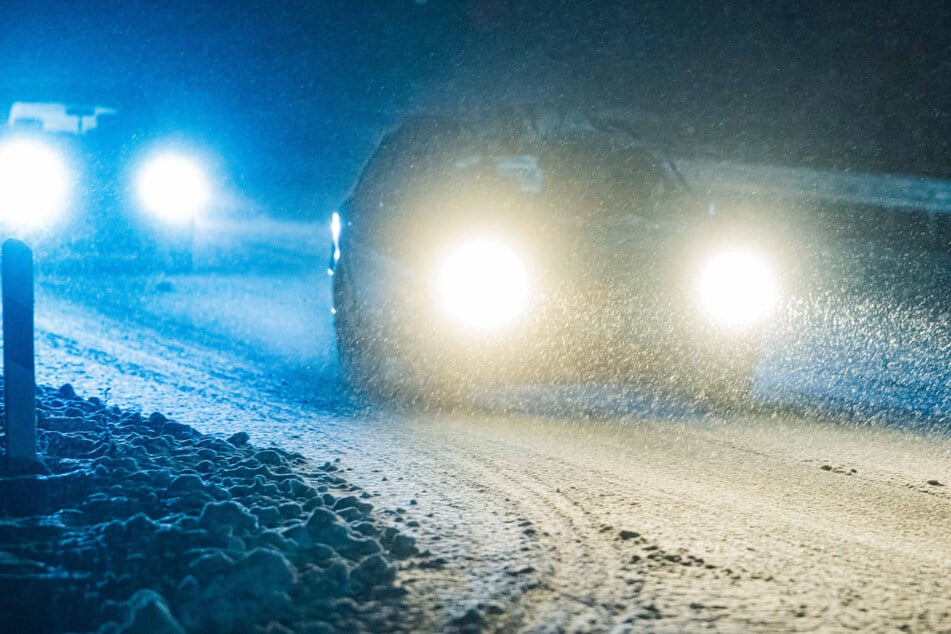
(173, 187)
(34, 184)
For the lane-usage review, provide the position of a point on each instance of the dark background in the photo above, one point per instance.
(293, 94)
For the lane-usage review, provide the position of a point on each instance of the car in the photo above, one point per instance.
(538, 246)
(88, 182)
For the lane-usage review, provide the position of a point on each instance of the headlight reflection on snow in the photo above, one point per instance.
(34, 184)
(737, 289)
(483, 284)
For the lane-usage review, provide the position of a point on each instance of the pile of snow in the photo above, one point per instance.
(146, 525)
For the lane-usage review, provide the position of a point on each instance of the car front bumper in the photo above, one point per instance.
(569, 336)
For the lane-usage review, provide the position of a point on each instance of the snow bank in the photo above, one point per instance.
(144, 524)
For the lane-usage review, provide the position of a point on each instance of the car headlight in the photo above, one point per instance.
(483, 284)
(738, 289)
(173, 187)
(34, 184)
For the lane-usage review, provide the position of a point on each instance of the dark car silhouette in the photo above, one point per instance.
(536, 246)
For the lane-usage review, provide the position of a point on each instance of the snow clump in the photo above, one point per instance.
(143, 524)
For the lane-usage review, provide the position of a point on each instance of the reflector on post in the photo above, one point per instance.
(18, 368)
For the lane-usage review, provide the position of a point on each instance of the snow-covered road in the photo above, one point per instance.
(591, 510)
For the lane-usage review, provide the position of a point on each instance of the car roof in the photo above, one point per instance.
(57, 117)
(532, 124)
(528, 126)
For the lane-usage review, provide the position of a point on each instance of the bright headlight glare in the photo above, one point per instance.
(34, 184)
(483, 284)
(173, 187)
(738, 289)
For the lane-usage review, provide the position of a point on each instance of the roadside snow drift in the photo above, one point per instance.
(146, 525)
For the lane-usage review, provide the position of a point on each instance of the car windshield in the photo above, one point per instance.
(577, 178)
(598, 178)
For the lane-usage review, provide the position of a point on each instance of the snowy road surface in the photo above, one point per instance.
(592, 509)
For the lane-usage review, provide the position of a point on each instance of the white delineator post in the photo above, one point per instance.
(18, 369)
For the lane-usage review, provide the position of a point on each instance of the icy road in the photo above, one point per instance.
(587, 508)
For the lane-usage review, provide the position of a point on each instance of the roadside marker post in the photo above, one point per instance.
(18, 360)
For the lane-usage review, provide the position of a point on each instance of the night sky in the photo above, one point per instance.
(294, 93)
